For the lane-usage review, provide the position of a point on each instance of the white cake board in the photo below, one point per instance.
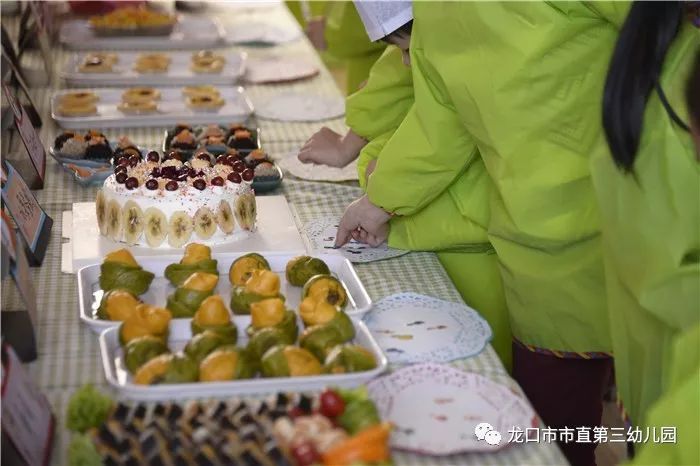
(276, 232)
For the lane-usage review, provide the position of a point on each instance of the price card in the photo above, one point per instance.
(28, 134)
(26, 414)
(31, 220)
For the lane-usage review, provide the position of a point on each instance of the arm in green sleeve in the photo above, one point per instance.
(368, 153)
(383, 102)
(429, 150)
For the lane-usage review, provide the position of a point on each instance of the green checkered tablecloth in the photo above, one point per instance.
(68, 351)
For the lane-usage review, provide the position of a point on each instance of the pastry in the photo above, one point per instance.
(98, 147)
(76, 109)
(152, 63)
(140, 94)
(163, 201)
(241, 139)
(205, 102)
(79, 97)
(183, 140)
(133, 21)
(98, 63)
(138, 107)
(70, 144)
(193, 91)
(207, 61)
(126, 148)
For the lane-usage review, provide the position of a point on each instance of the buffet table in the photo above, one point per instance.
(68, 351)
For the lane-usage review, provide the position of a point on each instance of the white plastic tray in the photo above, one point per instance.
(171, 110)
(119, 378)
(90, 293)
(190, 32)
(178, 74)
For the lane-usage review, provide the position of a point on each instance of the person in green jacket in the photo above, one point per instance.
(446, 226)
(513, 86)
(648, 188)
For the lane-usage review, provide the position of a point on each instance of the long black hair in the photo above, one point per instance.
(692, 92)
(634, 72)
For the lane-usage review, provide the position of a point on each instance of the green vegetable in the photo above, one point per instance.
(178, 273)
(88, 407)
(358, 415)
(82, 452)
(353, 394)
(114, 275)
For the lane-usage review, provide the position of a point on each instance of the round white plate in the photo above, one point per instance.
(413, 328)
(254, 33)
(315, 172)
(435, 409)
(301, 107)
(279, 69)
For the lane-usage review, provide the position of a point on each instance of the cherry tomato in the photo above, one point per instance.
(331, 404)
(304, 453)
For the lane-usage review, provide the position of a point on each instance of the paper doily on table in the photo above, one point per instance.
(435, 409)
(301, 107)
(321, 236)
(413, 328)
(260, 33)
(315, 172)
(279, 69)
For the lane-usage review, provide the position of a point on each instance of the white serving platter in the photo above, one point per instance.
(276, 232)
(119, 378)
(178, 74)
(90, 293)
(190, 32)
(171, 110)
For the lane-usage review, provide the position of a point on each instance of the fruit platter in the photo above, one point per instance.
(333, 427)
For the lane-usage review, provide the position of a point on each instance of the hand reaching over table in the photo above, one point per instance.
(330, 148)
(363, 222)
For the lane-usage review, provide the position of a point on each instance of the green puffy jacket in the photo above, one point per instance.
(348, 41)
(651, 240)
(514, 86)
(453, 224)
(678, 409)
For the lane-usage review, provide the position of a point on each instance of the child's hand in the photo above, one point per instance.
(330, 148)
(363, 222)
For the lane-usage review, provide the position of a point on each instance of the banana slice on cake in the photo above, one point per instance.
(114, 220)
(132, 221)
(101, 212)
(245, 211)
(224, 217)
(155, 227)
(204, 223)
(179, 229)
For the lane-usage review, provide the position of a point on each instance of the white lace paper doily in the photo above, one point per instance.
(260, 33)
(413, 328)
(301, 107)
(278, 69)
(321, 236)
(435, 410)
(315, 172)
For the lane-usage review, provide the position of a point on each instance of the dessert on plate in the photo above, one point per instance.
(161, 201)
(207, 61)
(92, 145)
(133, 21)
(77, 104)
(98, 62)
